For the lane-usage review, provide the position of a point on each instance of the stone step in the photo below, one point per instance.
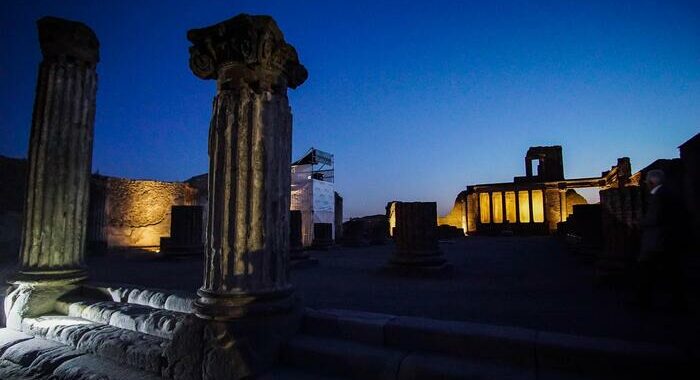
(156, 298)
(314, 356)
(126, 347)
(341, 358)
(288, 373)
(24, 357)
(135, 317)
(524, 348)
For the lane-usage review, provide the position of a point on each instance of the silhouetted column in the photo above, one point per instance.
(60, 152)
(296, 248)
(415, 235)
(338, 218)
(249, 161)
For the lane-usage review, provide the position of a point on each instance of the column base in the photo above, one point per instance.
(232, 306)
(418, 263)
(34, 293)
(238, 345)
(64, 276)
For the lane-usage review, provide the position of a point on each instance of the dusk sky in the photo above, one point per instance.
(416, 99)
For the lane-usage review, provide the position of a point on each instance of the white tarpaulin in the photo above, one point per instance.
(314, 198)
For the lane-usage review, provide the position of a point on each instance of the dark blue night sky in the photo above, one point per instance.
(415, 99)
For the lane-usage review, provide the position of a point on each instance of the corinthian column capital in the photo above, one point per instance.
(245, 50)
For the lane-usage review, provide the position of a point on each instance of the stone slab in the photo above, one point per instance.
(357, 326)
(507, 344)
(90, 367)
(611, 357)
(10, 337)
(135, 317)
(286, 373)
(38, 356)
(130, 348)
(418, 366)
(62, 329)
(156, 298)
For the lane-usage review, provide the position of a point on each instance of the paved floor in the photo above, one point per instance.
(520, 281)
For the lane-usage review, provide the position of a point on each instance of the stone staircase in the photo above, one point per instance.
(96, 332)
(102, 332)
(346, 344)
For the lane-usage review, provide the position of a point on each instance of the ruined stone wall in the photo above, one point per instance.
(572, 199)
(622, 209)
(138, 211)
(457, 216)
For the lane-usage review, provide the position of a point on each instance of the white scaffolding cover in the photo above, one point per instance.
(314, 198)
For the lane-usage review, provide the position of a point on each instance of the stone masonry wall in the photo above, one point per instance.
(621, 211)
(457, 216)
(138, 211)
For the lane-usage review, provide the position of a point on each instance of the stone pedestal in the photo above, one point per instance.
(323, 236)
(415, 235)
(247, 250)
(60, 159)
(297, 256)
(185, 232)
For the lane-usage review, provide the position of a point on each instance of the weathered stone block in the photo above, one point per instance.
(416, 237)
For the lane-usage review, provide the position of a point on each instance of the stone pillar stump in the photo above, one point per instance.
(60, 160)
(185, 232)
(416, 239)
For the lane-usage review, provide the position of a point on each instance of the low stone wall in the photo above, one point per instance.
(138, 211)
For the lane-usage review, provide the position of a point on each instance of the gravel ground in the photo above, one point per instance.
(519, 281)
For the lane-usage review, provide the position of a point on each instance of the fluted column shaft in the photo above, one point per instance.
(250, 139)
(250, 153)
(416, 227)
(60, 152)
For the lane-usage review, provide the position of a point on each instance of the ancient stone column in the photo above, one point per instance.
(58, 182)
(60, 152)
(246, 269)
(416, 239)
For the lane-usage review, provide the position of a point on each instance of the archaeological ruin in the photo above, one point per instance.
(208, 278)
(246, 306)
(532, 204)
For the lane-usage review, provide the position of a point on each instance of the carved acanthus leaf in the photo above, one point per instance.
(252, 41)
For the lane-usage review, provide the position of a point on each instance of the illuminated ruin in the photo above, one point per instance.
(534, 203)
